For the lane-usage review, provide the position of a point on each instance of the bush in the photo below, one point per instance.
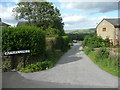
(95, 41)
(88, 50)
(35, 67)
(114, 60)
(101, 54)
(23, 38)
(43, 65)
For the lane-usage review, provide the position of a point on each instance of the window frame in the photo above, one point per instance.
(104, 29)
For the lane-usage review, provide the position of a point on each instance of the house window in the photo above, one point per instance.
(104, 29)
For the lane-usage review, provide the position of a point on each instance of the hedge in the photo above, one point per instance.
(65, 43)
(62, 43)
(33, 39)
(95, 41)
(57, 43)
(50, 44)
(79, 37)
(23, 38)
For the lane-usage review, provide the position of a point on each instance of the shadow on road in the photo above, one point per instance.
(15, 80)
(72, 75)
(70, 60)
(71, 56)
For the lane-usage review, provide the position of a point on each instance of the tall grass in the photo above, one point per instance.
(104, 60)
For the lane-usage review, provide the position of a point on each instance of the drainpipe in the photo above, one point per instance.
(115, 36)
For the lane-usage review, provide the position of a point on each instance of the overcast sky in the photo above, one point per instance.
(76, 15)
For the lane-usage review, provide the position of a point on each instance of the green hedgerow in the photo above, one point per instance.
(95, 41)
(23, 38)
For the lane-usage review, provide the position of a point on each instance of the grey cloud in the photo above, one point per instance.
(84, 23)
(81, 24)
(101, 7)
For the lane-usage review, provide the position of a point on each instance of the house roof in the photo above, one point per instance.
(3, 24)
(114, 21)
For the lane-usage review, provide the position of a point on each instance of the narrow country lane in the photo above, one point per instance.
(74, 69)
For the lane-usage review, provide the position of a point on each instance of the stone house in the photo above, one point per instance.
(109, 28)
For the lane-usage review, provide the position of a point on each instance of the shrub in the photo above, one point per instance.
(101, 54)
(107, 42)
(114, 60)
(95, 41)
(48, 63)
(35, 67)
(23, 38)
(88, 50)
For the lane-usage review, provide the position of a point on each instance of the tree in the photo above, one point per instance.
(41, 14)
(52, 31)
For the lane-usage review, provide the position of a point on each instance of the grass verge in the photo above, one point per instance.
(117, 51)
(108, 64)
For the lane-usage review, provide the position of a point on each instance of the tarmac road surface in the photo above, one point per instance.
(74, 70)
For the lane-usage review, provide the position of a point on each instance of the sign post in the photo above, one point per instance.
(17, 52)
(13, 56)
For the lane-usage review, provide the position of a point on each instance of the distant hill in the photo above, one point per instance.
(80, 31)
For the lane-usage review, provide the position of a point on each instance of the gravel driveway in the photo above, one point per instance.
(75, 68)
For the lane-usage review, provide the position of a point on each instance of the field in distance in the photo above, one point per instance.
(80, 31)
